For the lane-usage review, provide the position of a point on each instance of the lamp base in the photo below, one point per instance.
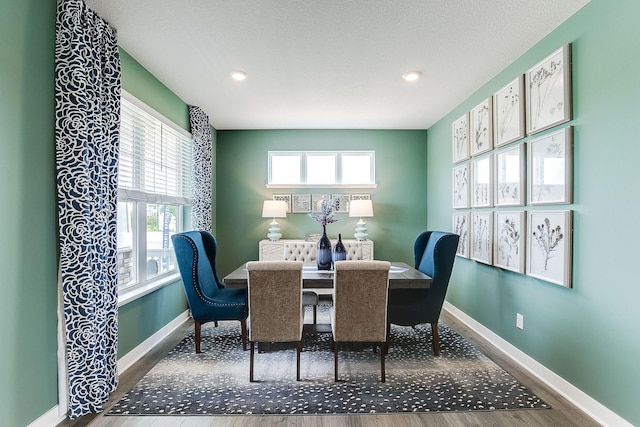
(274, 231)
(361, 230)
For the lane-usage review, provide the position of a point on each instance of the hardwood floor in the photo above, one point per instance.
(563, 414)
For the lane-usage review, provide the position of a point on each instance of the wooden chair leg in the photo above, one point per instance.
(243, 328)
(298, 351)
(251, 353)
(386, 347)
(335, 361)
(198, 327)
(436, 339)
(382, 371)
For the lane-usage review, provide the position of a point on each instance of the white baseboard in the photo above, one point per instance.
(137, 353)
(49, 418)
(586, 403)
(53, 417)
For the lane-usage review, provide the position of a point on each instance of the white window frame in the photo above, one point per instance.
(338, 168)
(140, 199)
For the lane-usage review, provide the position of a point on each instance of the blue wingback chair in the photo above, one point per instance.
(434, 252)
(209, 300)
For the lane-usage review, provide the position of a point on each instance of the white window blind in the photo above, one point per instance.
(155, 159)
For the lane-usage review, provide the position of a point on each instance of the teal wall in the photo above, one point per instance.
(398, 202)
(28, 253)
(588, 334)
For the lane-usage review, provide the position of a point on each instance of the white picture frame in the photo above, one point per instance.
(342, 202)
(548, 91)
(550, 168)
(481, 188)
(509, 240)
(361, 197)
(460, 138)
(284, 198)
(482, 237)
(549, 246)
(316, 201)
(460, 185)
(509, 113)
(481, 128)
(509, 176)
(460, 226)
(301, 203)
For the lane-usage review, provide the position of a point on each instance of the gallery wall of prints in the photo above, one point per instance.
(512, 173)
(311, 203)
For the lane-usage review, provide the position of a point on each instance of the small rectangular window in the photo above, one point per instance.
(321, 168)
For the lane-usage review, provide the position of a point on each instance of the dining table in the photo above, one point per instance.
(401, 276)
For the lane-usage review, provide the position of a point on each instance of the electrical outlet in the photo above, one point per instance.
(519, 321)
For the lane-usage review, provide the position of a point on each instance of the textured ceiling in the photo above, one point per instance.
(329, 64)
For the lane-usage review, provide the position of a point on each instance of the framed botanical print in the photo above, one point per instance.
(461, 228)
(481, 128)
(361, 197)
(482, 236)
(550, 168)
(548, 86)
(284, 198)
(461, 186)
(342, 202)
(460, 138)
(481, 182)
(301, 203)
(509, 171)
(508, 113)
(509, 242)
(549, 246)
(316, 201)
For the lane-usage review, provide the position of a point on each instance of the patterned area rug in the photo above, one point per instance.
(217, 380)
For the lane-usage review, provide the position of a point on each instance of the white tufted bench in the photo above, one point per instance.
(306, 251)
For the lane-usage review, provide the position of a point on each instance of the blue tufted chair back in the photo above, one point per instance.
(196, 255)
(434, 253)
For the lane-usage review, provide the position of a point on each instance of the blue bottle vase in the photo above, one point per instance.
(339, 252)
(323, 252)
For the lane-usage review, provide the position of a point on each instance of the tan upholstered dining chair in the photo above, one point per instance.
(275, 305)
(360, 306)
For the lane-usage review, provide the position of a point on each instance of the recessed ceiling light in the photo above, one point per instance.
(412, 76)
(238, 75)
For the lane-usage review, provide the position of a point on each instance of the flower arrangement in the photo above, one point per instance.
(325, 216)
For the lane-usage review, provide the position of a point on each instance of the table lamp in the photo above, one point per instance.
(361, 209)
(274, 209)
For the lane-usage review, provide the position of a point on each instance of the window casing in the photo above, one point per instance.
(154, 196)
(321, 169)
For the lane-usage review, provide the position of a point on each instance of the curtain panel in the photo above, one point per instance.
(202, 169)
(87, 96)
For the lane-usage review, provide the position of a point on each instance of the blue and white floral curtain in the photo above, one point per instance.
(201, 134)
(87, 94)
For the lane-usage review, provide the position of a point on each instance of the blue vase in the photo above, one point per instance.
(339, 252)
(323, 252)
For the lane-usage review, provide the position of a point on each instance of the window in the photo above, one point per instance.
(321, 169)
(154, 191)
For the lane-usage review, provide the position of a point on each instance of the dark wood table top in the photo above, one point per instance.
(401, 276)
